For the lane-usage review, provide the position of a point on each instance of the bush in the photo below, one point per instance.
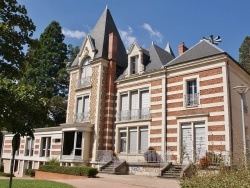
(78, 171)
(1, 167)
(30, 172)
(5, 174)
(53, 162)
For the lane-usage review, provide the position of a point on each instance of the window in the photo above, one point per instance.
(82, 109)
(45, 146)
(134, 105)
(134, 64)
(137, 138)
(72, 145)
(29, 147)
(85, 74)
(191, 95)
(193, 144)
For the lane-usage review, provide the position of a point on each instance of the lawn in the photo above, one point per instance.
(20, 183)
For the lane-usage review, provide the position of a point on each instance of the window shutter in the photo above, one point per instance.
(145, 103)
(79, 105)
(134, 105)
(86, 104)
(133, 140)
(187, 144)
(124, 107)
(143, 140)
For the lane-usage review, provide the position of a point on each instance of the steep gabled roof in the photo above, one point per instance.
(100, 36)
(158, 58)
(203, 49)
(169, 49)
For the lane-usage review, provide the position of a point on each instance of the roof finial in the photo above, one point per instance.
(213, 40)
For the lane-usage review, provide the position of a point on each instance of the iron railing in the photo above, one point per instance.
(192, 99)
(84, 82)
(82, 117)
(135, 114)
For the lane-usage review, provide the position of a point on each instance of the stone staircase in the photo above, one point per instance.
(109, 169)
(174, 171)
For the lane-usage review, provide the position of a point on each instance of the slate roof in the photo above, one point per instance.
(158, 58)
(201, 50)
(154, 59)
(100, 37)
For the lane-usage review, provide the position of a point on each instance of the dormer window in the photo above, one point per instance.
(134, 64)
(85, 73)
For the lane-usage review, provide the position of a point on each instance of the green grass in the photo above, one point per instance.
(20, 183)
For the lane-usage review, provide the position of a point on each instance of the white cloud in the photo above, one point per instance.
(127, 37)
(73, 34)
(154, 34)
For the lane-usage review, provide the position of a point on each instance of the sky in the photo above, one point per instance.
(147, 21)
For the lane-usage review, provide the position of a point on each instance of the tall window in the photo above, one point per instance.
(134, 64)
(192, 95)
(135, 139)
(29, 147)
(134, 105)
(72, 144)
(193, 141)
(85, 74)
(45, 146)
(82, 109)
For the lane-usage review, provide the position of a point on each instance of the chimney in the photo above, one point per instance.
(112, 49)
(182, 48)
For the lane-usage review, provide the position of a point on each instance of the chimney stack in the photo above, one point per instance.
(112, 49)
(182, 48)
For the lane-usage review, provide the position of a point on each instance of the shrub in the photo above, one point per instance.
(53, 162)
(1, 167)
(30, 172)
(78, 171)
(5, 174)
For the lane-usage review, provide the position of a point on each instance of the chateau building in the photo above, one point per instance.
(127, 101)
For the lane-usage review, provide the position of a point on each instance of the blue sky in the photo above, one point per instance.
(144, 21)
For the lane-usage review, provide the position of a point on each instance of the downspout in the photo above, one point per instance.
(230, 110)
(164, 126)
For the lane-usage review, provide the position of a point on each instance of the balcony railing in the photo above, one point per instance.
(84, 82)
(81, 117)
(192, 99)
(134, 114)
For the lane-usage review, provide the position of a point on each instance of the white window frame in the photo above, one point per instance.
(29, 146)
(128, 130)
(132, 113)
(134, 65)
(186, 80)
(47, 148)
(84, 81)
(84, 113)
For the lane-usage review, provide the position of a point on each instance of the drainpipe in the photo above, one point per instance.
(230, 110)
(164, 126)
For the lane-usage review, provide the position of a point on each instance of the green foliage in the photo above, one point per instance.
(1, 167)
(53, 162)
(20, 107)
(24, 183)
(16, 28)
(30, 172)
(72, 53)
(78, 171)
(46, 70)
(225, 178)
(5, 174)
(244, 55)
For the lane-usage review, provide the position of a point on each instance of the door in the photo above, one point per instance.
(187, 144)
(200, 147)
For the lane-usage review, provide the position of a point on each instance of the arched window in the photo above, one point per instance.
(85, 73)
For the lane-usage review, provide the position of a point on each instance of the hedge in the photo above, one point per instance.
(75, 170)
(5, 174)
(30, 172)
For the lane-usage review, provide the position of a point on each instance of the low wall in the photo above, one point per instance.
(147, 169)
(50, 176)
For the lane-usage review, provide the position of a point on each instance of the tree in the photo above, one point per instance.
(72, 53)
(46, 69)
(16, 28)
(244, 56)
